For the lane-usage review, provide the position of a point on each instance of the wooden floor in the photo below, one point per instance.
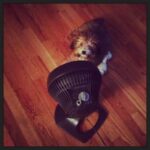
(35, 42)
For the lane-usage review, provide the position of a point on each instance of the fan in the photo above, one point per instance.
(75, 86)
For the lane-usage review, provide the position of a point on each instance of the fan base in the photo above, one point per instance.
(72, 125)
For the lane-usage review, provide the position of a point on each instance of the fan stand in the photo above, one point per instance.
(72, 125)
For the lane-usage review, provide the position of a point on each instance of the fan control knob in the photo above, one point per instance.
(83, 96)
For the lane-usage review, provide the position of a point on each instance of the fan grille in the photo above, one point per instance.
(68, 81)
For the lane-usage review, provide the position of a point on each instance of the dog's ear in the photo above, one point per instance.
(72, 45)
(74, 34)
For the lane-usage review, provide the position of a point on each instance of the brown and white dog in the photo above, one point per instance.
(91, 42)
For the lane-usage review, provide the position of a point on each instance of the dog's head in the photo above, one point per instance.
(90, 41)
(85, 48)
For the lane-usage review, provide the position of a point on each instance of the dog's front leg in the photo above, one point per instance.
(102, 67)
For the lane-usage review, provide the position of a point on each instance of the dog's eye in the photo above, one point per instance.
(81, 44)
(78, 55)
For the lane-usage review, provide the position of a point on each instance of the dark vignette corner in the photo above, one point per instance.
(2, 69)
(1, 74)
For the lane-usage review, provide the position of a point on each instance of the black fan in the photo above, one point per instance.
(76, 86)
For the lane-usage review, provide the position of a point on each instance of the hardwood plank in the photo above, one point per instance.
(16, 109)
(7, 138)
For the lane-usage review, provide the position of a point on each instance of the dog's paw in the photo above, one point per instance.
(102, 68)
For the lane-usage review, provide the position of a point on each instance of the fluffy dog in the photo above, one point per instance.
(91, 42)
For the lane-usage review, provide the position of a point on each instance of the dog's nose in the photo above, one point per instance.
(83, 52)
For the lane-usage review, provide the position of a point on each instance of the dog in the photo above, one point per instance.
(91, 42)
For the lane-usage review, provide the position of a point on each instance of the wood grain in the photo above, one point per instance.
(35, 42)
